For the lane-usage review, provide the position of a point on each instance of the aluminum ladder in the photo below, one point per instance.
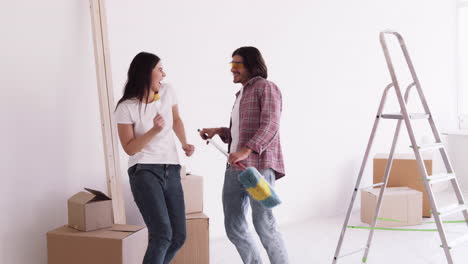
(438, 213)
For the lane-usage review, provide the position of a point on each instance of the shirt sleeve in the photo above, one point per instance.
(172, 94)
(225, 135)
(271, 104)
(122, 115)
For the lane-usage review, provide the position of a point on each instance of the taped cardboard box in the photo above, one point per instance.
(193, 193)
(90, 210)
(401, 206)
(404, 172)
(119, 244)
(196, 249)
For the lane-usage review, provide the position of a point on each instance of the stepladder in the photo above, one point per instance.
(403, 116)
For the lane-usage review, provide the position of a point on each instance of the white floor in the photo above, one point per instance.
(315, 242)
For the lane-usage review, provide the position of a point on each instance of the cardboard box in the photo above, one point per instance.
(193, 193)
(404, 172)
(90, 210)
(183, 171)
(120, 244)
(402, 206)
(196, 249)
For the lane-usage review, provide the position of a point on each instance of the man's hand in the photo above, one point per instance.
(189, 149)
(207, 133)
(240, 155)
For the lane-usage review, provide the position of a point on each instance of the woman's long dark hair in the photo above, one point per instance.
(139, 77)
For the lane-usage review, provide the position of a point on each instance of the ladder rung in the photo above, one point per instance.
(372, 186)
(452, 209)
(411, 116)
(440, 177)
(430, 146)
(351, 253)
(458, 241)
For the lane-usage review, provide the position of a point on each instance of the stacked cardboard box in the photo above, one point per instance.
(404, 173)
(401, 206)
(192, 186)
(119, 244)
(88, 211)
(91, 237)
(196, 247)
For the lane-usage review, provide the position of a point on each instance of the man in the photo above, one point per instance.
(253, 138)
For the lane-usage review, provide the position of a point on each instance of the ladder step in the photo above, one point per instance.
(452, 209)
(351, 253)
(400, 116)
(458, 241)
(441, 177)
(372, 186)
(430, 146)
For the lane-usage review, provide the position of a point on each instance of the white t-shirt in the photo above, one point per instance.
(235, 123)
(162, 148)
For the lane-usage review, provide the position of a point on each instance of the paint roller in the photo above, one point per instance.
(253, 182)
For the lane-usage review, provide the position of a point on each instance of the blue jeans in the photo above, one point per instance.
(158, 194)
(235, 205)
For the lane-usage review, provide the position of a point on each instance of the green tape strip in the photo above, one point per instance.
(393, 229)
(406, 229)
(448, 222)
(445, 222)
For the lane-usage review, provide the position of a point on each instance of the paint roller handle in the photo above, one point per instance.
(241, 165)
(209, 140)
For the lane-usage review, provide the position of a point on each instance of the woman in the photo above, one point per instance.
(146, 115)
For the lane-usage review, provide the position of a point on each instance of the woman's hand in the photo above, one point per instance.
(158, 123)
(189, 149)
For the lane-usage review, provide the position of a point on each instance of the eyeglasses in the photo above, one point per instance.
(237, 65)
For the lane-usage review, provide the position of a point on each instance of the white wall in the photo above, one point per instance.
(324, 55)
(51, 141)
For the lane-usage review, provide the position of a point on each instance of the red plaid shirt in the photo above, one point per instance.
(259, 122)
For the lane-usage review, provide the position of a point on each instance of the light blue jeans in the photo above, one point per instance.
(235, 204)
